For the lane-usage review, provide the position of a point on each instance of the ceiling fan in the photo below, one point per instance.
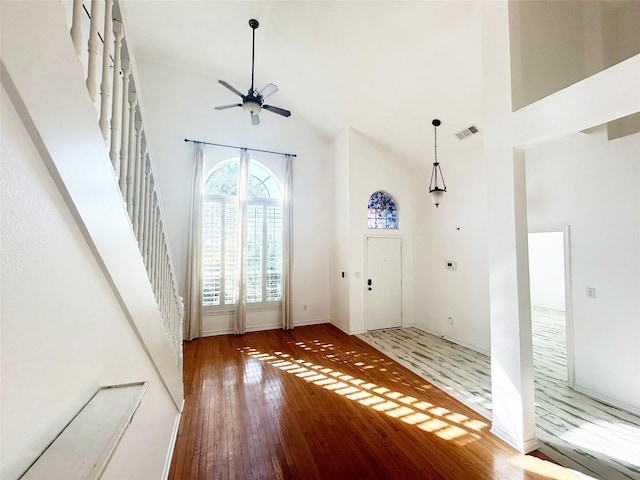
(253, 101)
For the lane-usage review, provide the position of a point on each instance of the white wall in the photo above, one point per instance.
(371, 168)
(64, 334)
(591, 184)
(546, 269)
(456, 230)
(512, 388)
(179, 104)
(340, 260)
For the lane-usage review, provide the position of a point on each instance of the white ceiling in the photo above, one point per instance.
(384, 68)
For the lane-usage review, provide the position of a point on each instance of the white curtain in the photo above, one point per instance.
(240, 321)
(287, 241)
(193, 304)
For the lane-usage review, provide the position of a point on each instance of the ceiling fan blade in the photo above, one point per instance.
(234, 90)
(279, 111)
(224, 107)
(255, 119)
(268, 90)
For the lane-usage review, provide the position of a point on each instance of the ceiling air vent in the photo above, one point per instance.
(467, 132)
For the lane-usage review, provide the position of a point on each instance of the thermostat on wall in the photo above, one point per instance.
(450, 265)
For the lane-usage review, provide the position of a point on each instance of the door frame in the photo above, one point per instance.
(568, 296)
(366, 276)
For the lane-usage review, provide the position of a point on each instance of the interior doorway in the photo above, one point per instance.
(550, 286)
(383, 286)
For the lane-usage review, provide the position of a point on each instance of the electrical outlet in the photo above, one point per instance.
(591, 292)
(450, 320)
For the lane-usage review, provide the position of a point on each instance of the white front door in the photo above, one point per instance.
(384, 283)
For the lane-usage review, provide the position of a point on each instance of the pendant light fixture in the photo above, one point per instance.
(434, 189)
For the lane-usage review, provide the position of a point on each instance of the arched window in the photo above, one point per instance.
(382, 211)
(220, 242)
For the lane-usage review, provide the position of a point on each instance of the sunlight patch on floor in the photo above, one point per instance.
(442, 422)
(582, 438)
(543, 467)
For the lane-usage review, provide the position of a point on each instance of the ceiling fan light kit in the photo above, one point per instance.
(253, 101)
(437, 193)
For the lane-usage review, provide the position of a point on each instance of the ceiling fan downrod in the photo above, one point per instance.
(253, 23)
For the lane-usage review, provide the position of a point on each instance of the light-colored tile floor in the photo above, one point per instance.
(579, 432)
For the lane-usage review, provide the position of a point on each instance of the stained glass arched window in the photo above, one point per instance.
(382, 212)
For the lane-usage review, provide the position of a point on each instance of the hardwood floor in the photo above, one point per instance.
(579, 432)
(314, 403)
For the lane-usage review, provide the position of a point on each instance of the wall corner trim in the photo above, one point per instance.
(523, 446)
(172, 444)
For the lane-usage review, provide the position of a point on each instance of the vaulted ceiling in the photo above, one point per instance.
(384, 68)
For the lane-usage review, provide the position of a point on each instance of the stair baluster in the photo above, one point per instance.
(116, 100)
(105, 85)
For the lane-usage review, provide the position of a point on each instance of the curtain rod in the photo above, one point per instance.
(240, 148)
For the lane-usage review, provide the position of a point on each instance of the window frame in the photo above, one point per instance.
(225, 200)
(394, 203)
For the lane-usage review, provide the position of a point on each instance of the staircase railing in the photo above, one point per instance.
(106, 60)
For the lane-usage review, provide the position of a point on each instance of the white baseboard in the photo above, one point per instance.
(607, 400)
(253, 328)
(214, 333)
(305, 323)
(346, 330)
(454, 340)
(362, 330)
(172, 444)
(522, 446)
(340, 327)
(260, 328)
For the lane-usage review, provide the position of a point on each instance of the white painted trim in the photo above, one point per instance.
(346, 330)
(340, 327)
(617, 97)
(522, 446)
(453, 339)
(260, 328)
(305, 323)
(254, 328)
(172, 444)
(215, 333)
(568, 296)
(601, 397)
(568, 308)
(531, 444)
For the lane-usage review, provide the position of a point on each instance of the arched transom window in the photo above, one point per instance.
(220, 242)
(382, 212)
